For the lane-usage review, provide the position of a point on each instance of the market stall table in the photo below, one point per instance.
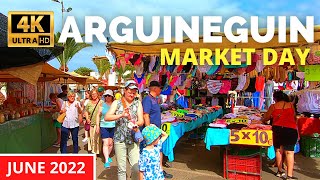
(30, 134)
(177, 131)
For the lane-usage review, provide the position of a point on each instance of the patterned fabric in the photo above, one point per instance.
(150, 134)
(122, 132)
(149, 163)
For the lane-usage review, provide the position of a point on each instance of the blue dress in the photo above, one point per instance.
(149, 163)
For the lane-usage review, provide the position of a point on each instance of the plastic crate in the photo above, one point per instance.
(310, 146)
(242, 167)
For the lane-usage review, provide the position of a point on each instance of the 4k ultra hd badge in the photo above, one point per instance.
(30, 29)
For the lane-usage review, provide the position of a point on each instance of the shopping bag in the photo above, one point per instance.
(61, 117)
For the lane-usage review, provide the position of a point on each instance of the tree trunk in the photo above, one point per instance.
(62, 68)
(119, 79)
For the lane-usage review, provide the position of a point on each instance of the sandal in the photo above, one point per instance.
(289, 178)
(280, 174)
(166, 165)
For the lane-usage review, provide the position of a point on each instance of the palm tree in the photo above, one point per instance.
(70, 49)
(103, 65)
(125, 72)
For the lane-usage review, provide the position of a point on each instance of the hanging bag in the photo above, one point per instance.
(62, 116)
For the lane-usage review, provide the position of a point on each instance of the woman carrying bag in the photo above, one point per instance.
(128, 114)
(92, 108)
(72, 110)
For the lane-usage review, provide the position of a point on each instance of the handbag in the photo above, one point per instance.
(136, 135)
(62, 116)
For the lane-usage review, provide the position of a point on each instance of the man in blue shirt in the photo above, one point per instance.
(152, 111)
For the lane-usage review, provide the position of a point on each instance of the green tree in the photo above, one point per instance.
(124, 73)
(84, 71)
(70, 49)
(103, 65)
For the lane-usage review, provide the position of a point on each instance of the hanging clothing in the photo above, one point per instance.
(226, 86)
(241, 82)
(269, 86)
(260, 83)
(140, 81)
(252, 85)
(214, 86)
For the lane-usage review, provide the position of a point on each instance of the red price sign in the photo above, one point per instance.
(48, 167)
(251, 137)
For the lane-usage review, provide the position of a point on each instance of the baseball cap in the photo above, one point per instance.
(108, 92)
(154, 84)
(100, 89)
(131, 84)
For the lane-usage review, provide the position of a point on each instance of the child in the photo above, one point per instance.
(149, 163)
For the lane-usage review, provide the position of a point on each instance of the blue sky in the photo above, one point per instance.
(109, 9)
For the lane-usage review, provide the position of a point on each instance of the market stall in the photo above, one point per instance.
(250, 86)
(24, 127)
(177, 123)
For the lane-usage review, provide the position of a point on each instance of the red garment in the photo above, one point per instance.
(308, 126)
(260, 83)
(286, 118)
(182, 91)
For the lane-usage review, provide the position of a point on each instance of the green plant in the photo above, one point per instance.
(71, 48)
(103, 65)
(84, 71)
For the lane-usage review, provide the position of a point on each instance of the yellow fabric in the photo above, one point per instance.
(118, 96)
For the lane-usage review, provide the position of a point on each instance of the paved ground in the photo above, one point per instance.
(193, 161)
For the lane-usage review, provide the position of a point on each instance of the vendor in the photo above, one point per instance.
(284, 129)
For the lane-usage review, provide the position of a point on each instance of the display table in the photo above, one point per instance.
(30, 134)
(178, 130)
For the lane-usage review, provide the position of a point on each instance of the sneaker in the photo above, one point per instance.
(280, 174)
(167, 176)
(107, 165)
(109, 160)
(85, 140)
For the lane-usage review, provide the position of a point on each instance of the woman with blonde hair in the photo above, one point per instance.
(94, 143)
(72, 108)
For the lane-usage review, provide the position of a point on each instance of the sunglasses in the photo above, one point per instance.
(108, 95)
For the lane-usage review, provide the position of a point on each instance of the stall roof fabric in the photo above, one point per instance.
(36, 73)
(17, 57)
(155, 47)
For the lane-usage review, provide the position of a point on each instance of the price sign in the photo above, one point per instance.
(177, 114)
(237, 120)
(312, 73)
(166, 128)
(251, 137)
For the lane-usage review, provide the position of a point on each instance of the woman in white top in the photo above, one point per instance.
(71, 122)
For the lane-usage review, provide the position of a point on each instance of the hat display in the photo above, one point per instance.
(108, 92)
(150, 134)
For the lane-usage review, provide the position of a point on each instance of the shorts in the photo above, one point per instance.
(286, 137)
(56, 124)
(106, 132)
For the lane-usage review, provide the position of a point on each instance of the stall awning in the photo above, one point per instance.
(88, 79)
(36, 73)
(155, 47)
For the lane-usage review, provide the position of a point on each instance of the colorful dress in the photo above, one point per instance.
(149, 163)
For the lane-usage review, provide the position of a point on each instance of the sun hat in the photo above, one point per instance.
(100, 89)
(131, 84)
(108, 92)
(150, 134)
